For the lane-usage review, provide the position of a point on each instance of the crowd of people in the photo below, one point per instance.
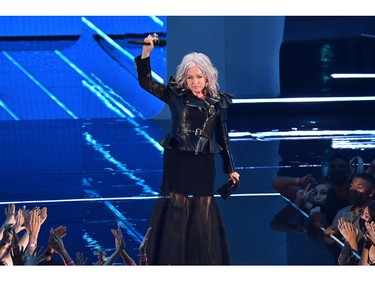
(19, 242)
(341, 204)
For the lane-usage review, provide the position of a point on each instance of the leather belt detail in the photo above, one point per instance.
(198, 132)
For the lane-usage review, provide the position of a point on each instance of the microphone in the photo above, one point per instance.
(157, 42)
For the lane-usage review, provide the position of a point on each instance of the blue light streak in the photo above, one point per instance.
(298, 100)
(301, 134)
(41, 86)
(352, 75)
(102, 199)
(67, 200)
(92, 243)
(117, 46)
(8, 110)
(341, 139)
(130, 173)
(123, 221)
(115, 95)
(107, 98)
(157, 20)
(103, 96)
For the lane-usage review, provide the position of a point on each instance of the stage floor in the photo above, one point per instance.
(94, 174)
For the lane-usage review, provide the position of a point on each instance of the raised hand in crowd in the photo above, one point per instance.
(33, 224)
(61, 232)
(101, 258)
(57, 244)
(289, 186)
(349, 232)
(20, 220)
(143, 249)
(370, 231)
(80, 259)
(35, 258)
(117, 233)
(10, 218)
(120, 248)
(18, 255)
(6, 244)
(302, 194)
(42, 213)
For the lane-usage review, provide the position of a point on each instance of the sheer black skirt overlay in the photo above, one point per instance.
(187, 230)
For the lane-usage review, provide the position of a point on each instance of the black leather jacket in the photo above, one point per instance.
(197, 125)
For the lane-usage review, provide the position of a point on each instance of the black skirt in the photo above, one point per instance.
(186, 224)
(188, 173)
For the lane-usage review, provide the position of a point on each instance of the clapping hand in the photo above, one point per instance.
(349, 232)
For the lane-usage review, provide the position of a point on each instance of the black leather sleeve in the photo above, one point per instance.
(146, 81)
(222, 139)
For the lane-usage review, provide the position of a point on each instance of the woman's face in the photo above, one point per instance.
(320, 194)
(195, 80)
(366, 215)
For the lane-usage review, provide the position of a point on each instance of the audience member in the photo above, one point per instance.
(339, 176)
(357, 239)
(347, 220)
(368, 250)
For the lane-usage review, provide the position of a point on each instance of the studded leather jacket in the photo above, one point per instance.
(197, 125)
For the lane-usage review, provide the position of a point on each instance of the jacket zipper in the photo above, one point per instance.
(204, 127)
